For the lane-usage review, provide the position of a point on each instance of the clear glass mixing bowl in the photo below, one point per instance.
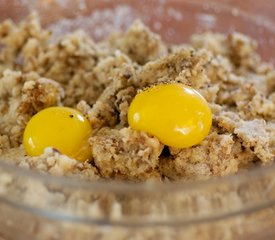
(36, 206)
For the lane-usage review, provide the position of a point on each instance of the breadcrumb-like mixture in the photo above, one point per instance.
(101, 79)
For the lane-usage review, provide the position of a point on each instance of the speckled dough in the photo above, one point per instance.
(101, 79)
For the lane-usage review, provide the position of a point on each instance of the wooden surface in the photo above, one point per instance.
(261, 7)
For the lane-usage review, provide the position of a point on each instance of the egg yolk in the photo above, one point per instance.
(62, 128)
(174, 113)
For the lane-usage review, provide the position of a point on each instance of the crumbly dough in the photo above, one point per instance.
(126, 154)
(101, 79)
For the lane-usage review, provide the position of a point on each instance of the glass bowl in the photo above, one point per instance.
(39, 206)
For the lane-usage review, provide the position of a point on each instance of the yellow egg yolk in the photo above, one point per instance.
(174, 113)
(62, 128)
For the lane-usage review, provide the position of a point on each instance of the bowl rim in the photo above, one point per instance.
(147, 186)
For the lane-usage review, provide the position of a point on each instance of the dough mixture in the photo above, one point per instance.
(101, 79)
